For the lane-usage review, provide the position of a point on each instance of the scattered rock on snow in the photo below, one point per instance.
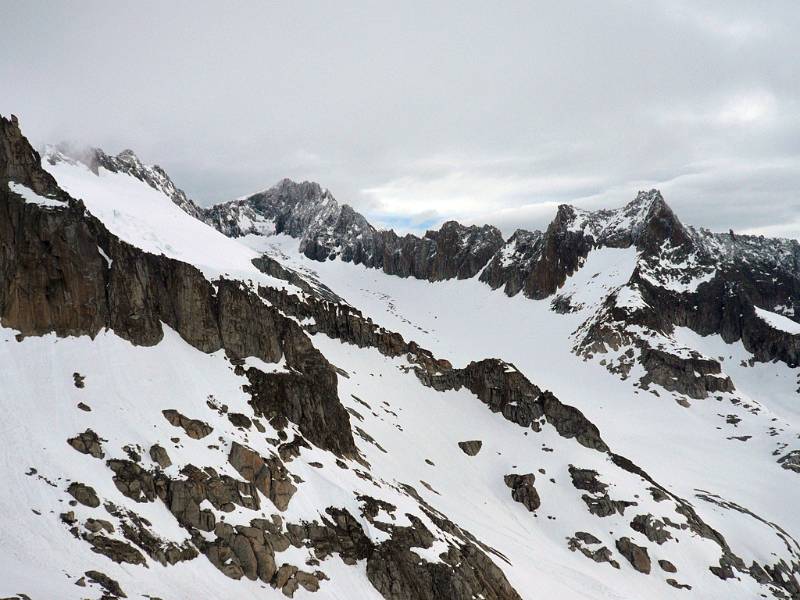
(194, 428)
(636, 555)
(84, 494)
(87, 443)
(522, 490)
(470, 447)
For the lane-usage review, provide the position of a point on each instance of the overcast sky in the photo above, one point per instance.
(416, 112)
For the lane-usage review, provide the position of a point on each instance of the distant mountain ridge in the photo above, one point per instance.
(535, 263)
(712, 283)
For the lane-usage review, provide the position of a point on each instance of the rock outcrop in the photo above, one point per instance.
(268, 474)
(504, 389)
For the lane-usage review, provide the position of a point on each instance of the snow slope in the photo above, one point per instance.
(147, 218)
(407, 434)
(465, 321)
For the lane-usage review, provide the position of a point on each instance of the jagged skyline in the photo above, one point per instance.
(393, 112)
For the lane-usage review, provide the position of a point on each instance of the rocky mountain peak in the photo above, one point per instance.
(646, 200)
(300, 189)
(19, 162)
(644, 219)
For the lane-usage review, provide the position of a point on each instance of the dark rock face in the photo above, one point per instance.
(398, 574)
(523, 491)
(395, 570)
(20, 162)
(116, 550)
(693, 376)
(751, 272)
(636, 555)
(545, 261)
(452, 252)
(309, 399)
(513, 265)
(55, 280)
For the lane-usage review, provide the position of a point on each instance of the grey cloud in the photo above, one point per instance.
(418, 112)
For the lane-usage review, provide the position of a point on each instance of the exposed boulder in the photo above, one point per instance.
(587, 479)
(194, 428)
(133, 481)
(667, 566)
(523, 491)
(470, 447)
(87, 443)
(84, 494)
(159, 456)
(240, 420)
(651, 527)
(104, 581)
(581, 540)
(636, 555)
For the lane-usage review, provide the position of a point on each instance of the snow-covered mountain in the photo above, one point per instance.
(247, 401)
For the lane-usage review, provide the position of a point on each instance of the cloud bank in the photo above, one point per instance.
(421, 112)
